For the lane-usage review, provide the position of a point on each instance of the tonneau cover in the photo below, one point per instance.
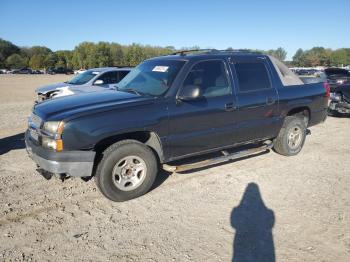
(288, 78)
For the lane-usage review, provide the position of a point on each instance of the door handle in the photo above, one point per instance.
(270, 101)
(230, 107)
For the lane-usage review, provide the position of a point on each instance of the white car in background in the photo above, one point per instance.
(79, 71)
(92, 80)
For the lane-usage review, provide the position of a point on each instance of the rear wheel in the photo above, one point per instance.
(127, 170)
(291, 137)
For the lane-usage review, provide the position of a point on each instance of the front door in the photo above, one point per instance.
(207, 123)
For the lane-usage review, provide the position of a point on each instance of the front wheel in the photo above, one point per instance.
(291, 137)
(127, 170)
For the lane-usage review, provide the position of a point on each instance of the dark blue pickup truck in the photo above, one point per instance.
(174, 107)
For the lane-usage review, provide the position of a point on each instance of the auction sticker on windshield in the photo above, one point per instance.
(162, 69)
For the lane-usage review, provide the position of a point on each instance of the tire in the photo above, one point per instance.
(293, 130)
(118, 174)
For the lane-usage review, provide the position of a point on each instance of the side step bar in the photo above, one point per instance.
(226, 157)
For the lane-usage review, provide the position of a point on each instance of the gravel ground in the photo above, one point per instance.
(290, 209)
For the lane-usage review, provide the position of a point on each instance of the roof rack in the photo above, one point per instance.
(184, 52)
(240, 51)
(215, 51)
(122, 66)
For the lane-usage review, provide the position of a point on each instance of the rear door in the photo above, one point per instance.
(257, 113)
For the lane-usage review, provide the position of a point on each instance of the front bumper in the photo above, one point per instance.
(69, 163)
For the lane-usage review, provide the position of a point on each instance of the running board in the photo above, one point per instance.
(226, 157)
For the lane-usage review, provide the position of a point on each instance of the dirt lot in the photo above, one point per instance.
(293, 209)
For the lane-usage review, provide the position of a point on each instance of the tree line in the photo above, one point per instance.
(88, 55)
(320, 56)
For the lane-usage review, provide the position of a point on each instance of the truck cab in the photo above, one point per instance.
(170, 108)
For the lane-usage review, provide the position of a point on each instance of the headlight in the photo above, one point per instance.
(340, 81)
(52, 143)
(54, 127)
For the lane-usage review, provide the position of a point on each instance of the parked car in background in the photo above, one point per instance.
(170, 108)
(337, 76)
(37, 72)
(79, 71)
(339, 100)
(91, 80)
(24, 70)
(316, 78)
(59, 70)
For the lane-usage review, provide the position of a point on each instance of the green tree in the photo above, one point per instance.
(322, 54)
(340, 57)
(278, 53)
(298, 57)
(37, 61)
(36, 50)
(134, 55)
(64, 59)
(316, 56)
(6, 49)
(50, 60)
(100, 55)
(81, 54)
(16, 61)
(116, 54)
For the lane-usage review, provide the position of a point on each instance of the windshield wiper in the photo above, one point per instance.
(131, 90)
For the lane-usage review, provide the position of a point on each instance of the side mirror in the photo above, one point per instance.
(190, 93)
(98, 82)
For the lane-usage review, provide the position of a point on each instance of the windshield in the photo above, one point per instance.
(83, 78)
(152, 77)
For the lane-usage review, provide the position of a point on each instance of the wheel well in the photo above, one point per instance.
(148, 138)
(302, 112)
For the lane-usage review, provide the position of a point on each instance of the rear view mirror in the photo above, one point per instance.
(99, 82)
(190, 92)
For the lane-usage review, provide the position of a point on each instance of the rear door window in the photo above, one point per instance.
(252, 76)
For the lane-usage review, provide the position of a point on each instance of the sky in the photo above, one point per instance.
(255, 24)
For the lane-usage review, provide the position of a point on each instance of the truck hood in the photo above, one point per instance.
(83, 89)
(64, 89)
(74, 106)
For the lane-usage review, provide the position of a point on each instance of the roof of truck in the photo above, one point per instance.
(205, 53)
(286, 76)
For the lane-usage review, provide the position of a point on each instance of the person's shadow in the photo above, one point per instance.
(253, 223)
(11, 143)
